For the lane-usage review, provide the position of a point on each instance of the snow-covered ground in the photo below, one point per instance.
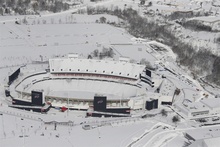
(53, 35)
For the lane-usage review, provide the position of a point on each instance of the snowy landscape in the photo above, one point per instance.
(176, 40)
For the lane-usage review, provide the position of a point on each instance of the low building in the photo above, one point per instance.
(213, 104)
(204, 137)
(193, 109)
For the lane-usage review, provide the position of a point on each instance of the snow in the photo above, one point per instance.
(211, 103)
(212, 142)
(204, 133)
(65, 33)
(86, 88)
(210, 19)
(101, 67)
(45, 135)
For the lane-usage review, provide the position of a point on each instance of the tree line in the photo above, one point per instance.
(196, 25)
(23, 7)
(202, 62)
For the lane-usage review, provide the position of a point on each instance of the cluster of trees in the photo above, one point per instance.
(96, 10)
(57, 6)
(23, 7)
(196, 25)
(18, 6)
(102, 19)
(95, 0)
(218, 40)
(163, 112)
(188, 14)
(201, 62)
(106, 52)
(178, 15)
(214, 76)
(175, 118)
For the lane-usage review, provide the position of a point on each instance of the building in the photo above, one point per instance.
(204, 137)
(73, 82)
(193, 109)
(203, 107)
(213, 104)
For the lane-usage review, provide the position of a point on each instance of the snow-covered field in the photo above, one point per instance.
(56, 35)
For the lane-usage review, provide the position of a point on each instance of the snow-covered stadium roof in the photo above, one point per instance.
(119, 68)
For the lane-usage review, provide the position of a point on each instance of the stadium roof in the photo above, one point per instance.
(105, 67)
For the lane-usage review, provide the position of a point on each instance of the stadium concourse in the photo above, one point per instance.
(74, 83)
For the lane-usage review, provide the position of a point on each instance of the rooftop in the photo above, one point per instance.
(204, 133)
(121, 68)
(212, 102)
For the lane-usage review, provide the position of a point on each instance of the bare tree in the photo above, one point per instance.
(24, 20)
(102, 19)
(35, 6)
(163, 112)
(142, 2)
(1, 11)
(175, 119)
(96, 53)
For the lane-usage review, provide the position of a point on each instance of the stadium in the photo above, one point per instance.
(75, 83)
